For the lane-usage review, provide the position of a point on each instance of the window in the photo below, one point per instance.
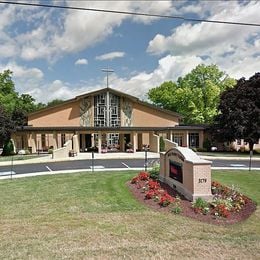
(178, 138)
(100, 110)
(106, 110)
(113, 139)
(194, 139)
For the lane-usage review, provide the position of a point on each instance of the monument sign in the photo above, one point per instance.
(184, 170)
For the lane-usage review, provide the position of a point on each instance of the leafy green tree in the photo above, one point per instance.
(54, 102)
(14, 108)
(239, 116)
(27, 103)
(8, 96)
(7, 125)
(195, 96)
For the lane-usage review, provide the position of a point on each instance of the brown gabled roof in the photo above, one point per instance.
(119, 93)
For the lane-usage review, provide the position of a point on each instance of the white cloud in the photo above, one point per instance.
(49, 34)
(234, 49)
(25, 78)
(111, 55)
(151, 7)
(169, 68)
(52, 33)
(209, 38)
(81, 62)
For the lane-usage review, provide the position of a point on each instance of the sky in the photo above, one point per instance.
(60, 53)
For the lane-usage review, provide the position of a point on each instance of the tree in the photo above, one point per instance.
(239, 116)
(14, 108)
(195, 96)
(8, 96)
(7, 125)
(54, 102)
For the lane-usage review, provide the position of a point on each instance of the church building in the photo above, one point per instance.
(105, 120)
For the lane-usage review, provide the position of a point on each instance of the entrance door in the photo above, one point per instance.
(85, 142)
(127, 139)
(88, 140)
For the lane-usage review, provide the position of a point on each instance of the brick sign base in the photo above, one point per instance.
(185, 171)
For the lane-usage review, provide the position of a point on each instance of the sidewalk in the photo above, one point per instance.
(228, 158)
(88, 156)
(137, 155)
(85, 156)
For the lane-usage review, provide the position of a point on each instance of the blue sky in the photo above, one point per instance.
(57, 53)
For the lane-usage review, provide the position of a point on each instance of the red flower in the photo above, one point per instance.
(153, 185)
(221, 210)
(143, 176)
(166, 199)
(135, 180)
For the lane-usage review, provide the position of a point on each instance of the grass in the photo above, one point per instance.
(94, 216)
(18, 157)
(229, 154)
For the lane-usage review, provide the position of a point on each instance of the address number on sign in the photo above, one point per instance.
(203, 180)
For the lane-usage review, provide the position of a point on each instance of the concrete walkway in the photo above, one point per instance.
(85, 156)
(88, 156)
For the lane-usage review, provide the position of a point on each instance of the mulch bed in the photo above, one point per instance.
(187, 209)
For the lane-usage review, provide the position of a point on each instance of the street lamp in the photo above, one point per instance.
(145, 158)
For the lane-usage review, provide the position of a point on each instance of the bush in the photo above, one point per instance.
(176, 206)
(155, 172)
(207, 144)
(8, 148)
(200, 206)
(162, 144)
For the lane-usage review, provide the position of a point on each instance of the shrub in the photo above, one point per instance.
(151, 194)
(155, 172)
(227, 199)
(165, 200)
(143, 176)
(200, 206)
(162, 144)
(207, 144)
(8, 148)
(153, 185)
(176, 206)
(221, 211)
(135, 179)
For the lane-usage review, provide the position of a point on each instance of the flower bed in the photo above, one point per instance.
(227, 207)
(152, 189)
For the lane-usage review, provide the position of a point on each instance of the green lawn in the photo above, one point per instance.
(228, 154)
(19, 157)
(94, 216)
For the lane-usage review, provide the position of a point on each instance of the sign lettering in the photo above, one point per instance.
(204, 180)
